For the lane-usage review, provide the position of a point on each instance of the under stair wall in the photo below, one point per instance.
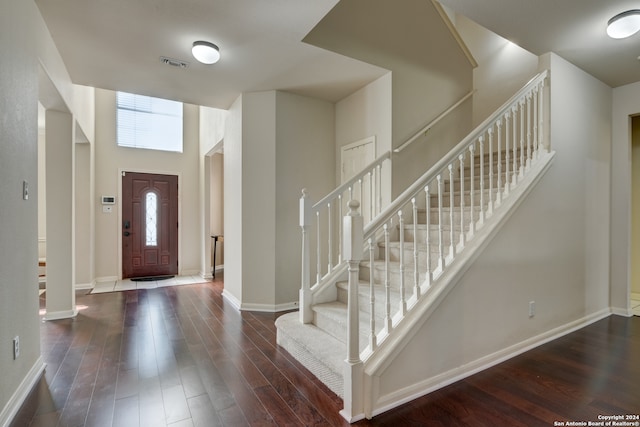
(553, 250)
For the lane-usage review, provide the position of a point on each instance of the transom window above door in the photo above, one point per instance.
(147, 122)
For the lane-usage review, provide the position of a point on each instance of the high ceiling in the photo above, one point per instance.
(117, 44)
(574, 29)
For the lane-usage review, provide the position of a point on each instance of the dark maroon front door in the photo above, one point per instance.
(149, 225)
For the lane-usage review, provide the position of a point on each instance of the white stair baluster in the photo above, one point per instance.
(514, 125)
(340, 229)
(541, 118)
(529, 152)
(318, 250)
(403, 303)
(452, 244)
(440, 220)
(330, 240)
(379, 188)
(371, 199)
(428, 221)
(490, 206)
(372, 299)
(416, 273)
(535, 124)
(462, 204)
(387, 282)
(522, 112)
(481, 213)
(499, 183)
(472, 190)
(507, 136)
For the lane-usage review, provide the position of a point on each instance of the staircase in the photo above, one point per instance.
(411, 251)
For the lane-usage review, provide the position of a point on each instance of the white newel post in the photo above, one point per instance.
(306, 315)
(352, 246)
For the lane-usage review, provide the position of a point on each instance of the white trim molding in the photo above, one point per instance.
(400, 397)
(19, 396)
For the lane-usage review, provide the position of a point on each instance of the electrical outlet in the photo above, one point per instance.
(532, 308)
(16, 347)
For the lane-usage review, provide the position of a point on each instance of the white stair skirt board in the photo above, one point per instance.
(22, 392)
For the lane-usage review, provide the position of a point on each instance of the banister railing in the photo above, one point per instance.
(441, 213)
(455, 216)
(321, 225)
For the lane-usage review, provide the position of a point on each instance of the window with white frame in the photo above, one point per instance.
(147, 122)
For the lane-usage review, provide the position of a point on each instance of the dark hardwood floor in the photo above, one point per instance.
(182, 356)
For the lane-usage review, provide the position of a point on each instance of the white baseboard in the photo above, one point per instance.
(270, 308)
(407, 394)
(106, 279)
(231, 299)
(17, 399)
(621, 312)
(190, 273)
(58, 315)
(85, 286)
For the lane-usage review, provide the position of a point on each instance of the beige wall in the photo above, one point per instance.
(19, 233)
(366, 113)
(269, 136)
(305, 132)
(635, 205)
(111, 160)
(503, 67)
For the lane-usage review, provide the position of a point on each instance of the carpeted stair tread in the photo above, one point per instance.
(315, 349)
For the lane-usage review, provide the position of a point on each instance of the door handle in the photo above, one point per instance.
(126, 233)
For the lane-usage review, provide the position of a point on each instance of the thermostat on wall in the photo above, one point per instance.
(108, 200)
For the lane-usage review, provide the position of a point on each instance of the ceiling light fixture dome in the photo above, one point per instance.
(205, 52)
(624, 24)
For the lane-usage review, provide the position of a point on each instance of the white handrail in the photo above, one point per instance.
(431, 174)
(432, 123)
(344, 186)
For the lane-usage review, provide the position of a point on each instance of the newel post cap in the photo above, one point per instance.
(305, 209)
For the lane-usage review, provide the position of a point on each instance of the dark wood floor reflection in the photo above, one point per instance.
(181, 356)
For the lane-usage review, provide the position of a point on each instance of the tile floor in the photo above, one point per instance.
(129, 285)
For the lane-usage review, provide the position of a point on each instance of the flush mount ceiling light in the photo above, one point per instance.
(624, 24)
(205, 52)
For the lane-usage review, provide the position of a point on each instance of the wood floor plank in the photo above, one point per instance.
(182, 356)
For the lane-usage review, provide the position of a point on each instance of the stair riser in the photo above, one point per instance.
(337, 328)
(446, 198)
(394, 256)
(446, 220)
(394, 273)
(380, 304)
(420, 234)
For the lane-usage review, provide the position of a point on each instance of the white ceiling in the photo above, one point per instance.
(117, 44)
(574, 29)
